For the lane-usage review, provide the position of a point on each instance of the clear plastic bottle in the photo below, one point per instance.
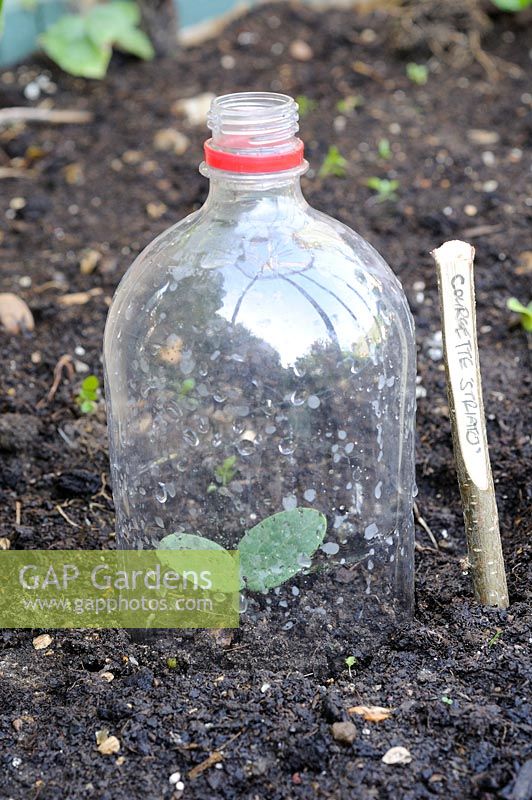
(259, 358)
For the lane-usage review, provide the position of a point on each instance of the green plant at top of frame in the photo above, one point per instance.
(82, 44)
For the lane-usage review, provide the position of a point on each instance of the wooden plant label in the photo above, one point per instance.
(458, 300)
(454, 262)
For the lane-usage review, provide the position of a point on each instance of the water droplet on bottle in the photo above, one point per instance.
(299, 371)
(287, 626)
(371, 531)
(289, 502)
(171, 489)
(218, 397)
(203, 424)
(161, 494)
(378, 490)
(159, 522)
(330, 548)
(286, 446)
(297, 398)
(245, 447)
(190, 437)
(310, 495)
(342, 435)
(313, 401)
(295, 591)
(238, 426)
(269, 429)
(243, 604)
(237, 357)
(268, 408)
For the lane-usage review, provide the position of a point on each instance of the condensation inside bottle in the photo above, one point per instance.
(260, 358)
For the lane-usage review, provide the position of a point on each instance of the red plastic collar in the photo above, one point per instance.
(237, 162)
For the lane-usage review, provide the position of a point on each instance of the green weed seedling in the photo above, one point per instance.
(350, 662)
(525, 312)
(306, 105)
(83, 45)
(88, 394)
(417, 73)
(225, 472)
(386, 189)
(271, 552)
(333, 164)
(384, 150)
(348, 104)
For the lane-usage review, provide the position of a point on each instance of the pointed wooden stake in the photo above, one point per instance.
(454, 262)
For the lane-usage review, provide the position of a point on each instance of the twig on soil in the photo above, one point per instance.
(11, 172)
(213, 759)
(65, 362)
(423, 524)
(9, 116)
(67, 518)
(18, 512)
(454, 262)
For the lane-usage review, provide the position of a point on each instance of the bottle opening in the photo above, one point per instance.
(254, 132)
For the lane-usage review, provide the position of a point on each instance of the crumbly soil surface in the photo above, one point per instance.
(249, 710)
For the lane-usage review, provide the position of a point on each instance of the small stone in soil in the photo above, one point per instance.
(397, 755)
(344, 732)
(42, 642)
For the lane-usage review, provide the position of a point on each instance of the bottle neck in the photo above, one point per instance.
(243, 192)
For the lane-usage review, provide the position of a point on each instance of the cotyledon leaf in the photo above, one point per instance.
(276, 549)
(188, 541)
(222, 572)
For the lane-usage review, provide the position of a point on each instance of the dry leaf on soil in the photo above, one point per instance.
(371, 713)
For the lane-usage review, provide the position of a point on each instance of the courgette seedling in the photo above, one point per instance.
(271, 552)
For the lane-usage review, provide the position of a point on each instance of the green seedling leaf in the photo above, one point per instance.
(350, 661)
(348, 104)
(273, 551)
(105, 23)
(223, 579)
(305, 104)
(386, 189)
(333, 164)
(68, 44)
(82, 45)
(135, 42)
(513, 6)
(225, 472)
(384, 149)
(525, 312)
(90, 384)
(417, 73)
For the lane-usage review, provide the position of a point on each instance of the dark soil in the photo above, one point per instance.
(458, 676)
